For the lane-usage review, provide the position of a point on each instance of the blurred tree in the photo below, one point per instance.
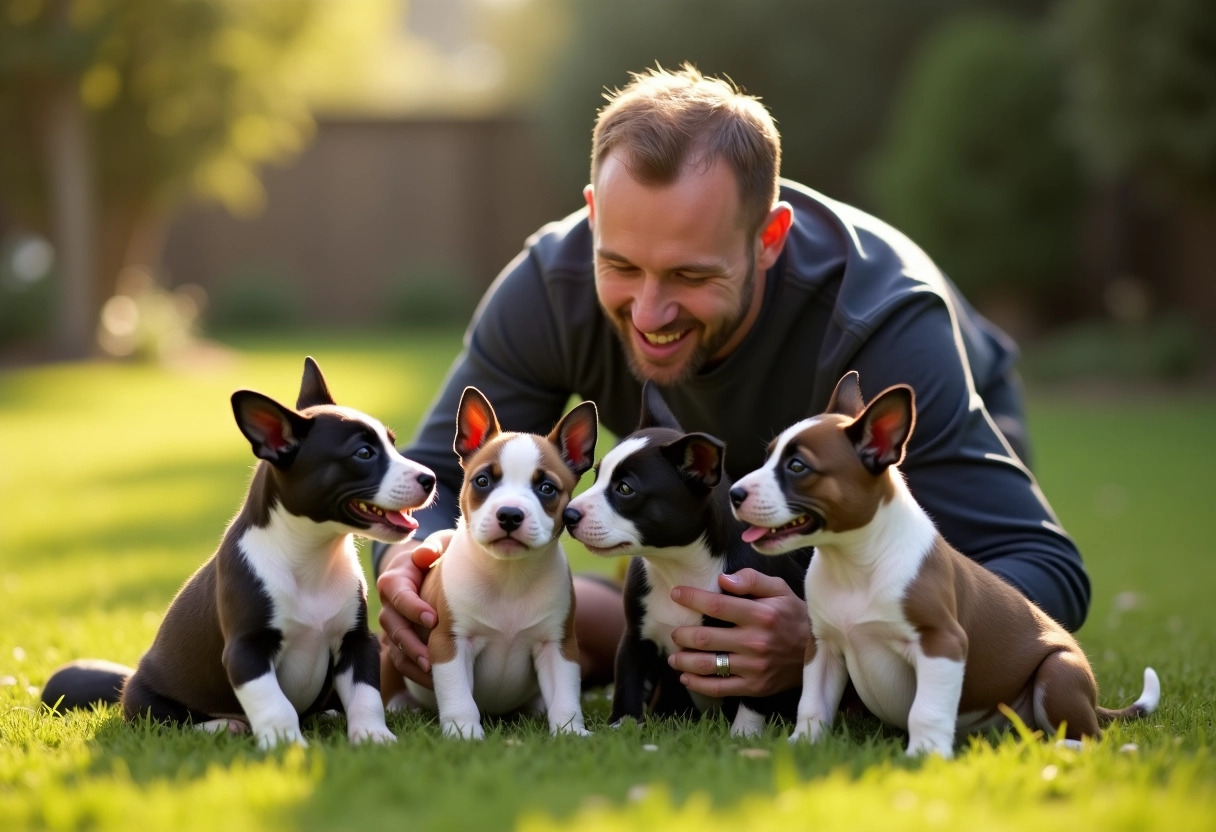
(1143, 88)
(976, 167)
(827, 70)
(112, 111)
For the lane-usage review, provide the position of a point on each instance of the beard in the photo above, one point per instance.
(710, 341)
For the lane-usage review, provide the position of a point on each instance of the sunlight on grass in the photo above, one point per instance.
(1012, 787)
(118, 480)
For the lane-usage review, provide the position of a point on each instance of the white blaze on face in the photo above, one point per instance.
(765, 504)
(518, 459)
(601, 527)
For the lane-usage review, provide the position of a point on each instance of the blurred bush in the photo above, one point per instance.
(1169, 347)
(828, 71)
(145, 321)
(27, 287)
(976, 168)
(1142, 88)
(431, 294)
(256, 296)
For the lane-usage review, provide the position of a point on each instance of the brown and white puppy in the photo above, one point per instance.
(933, 642)
(502, 590)
(276, 620)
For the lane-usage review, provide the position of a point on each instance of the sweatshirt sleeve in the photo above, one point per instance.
(960, 466)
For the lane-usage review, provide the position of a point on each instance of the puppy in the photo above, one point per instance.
(661, 498)
(277, 618)
(502, 590)
(934, 643)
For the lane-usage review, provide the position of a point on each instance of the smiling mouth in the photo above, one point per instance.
(800, 525)
(375, 515)
(662, 339)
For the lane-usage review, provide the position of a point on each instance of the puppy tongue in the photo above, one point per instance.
(401, 520)
(754, 533)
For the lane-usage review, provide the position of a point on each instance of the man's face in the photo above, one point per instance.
(675, 270)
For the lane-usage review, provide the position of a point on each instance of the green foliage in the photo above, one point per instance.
(974, 167)
(118, 479)
(185, 97)
(1159, 349)
(430, 294)
(255, 297)
(1143, 87)
(827, 70)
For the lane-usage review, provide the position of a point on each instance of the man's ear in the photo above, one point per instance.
(773, 233)
(589, 198)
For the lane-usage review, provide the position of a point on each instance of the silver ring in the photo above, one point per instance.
(722, 664)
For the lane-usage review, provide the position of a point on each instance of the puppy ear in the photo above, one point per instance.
(274, 431)
(846, 398)
(655, 412)
(476, 423)
(698, 457)
(880, 434)
(313, 390)
(575, 437)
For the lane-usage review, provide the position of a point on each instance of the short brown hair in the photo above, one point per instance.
(663, 117)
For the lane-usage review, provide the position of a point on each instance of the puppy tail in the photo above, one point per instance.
(1146, 704)
(85, 683)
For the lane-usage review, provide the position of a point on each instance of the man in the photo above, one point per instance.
(746, 299)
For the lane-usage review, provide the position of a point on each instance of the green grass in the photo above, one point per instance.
(116, 482)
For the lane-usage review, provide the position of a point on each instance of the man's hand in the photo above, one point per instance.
(402, 608)
(766, 646)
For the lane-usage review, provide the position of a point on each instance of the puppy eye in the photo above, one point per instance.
(796, 466)
(481, 481)
(546, 489)
(624, 489)
(366, 452)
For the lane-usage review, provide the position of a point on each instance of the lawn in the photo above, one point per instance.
(117, 480)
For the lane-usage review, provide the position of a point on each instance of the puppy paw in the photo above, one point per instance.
(270, 738)
(230, 726)
(808, 730)
(359, 734)
(464, 731)
(920, 746)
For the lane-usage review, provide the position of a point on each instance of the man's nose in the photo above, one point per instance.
(653, 306)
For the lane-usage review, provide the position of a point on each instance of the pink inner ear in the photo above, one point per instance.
(275, 433)
(574, 439)
(882, 431)
(475, 424)
(699, 458)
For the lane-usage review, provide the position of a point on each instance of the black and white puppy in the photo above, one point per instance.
(661, 496)
(276, 620)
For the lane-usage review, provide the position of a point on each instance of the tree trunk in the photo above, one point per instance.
(70, 181)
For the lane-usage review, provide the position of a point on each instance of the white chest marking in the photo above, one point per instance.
(666, 569)
(314, 580)
(855, 588)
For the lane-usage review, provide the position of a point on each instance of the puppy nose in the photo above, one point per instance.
(427, 481)
(571, 516)
(737, 496)
(510, 518)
